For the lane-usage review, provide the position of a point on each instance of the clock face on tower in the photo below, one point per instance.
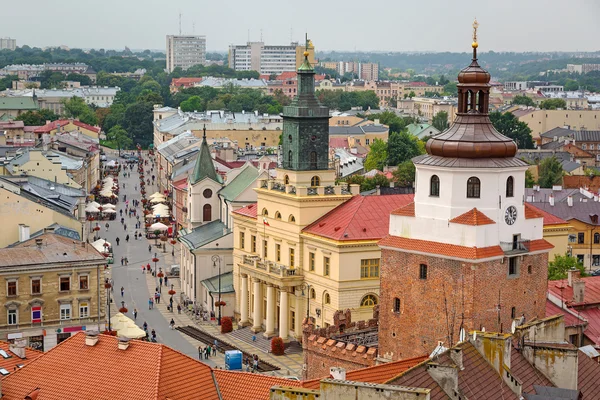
(510, 216)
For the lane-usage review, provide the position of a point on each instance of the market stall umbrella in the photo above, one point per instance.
(91, 209)
(158, 207)
(109, 211)
(158, 227)
(108, 205)
(131, 332)
(93, 203)
(157, 199)
(99, 245)
(120, 321)
(155, 194)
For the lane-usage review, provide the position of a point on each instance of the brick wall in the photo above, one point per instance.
(431, 309)
(578, 181)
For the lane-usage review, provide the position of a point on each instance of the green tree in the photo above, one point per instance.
(402, 146)
(558, 268)
(529, 179)
(377, 156)
(510, 126)
(37, 118)
(75, 107)
(84, 80)
(118, 138)
(138, 122)
(550, 172)
(440, 121)
(194, 103)
(450, 89)
(405, 174)
(523, 100)
(553, 104)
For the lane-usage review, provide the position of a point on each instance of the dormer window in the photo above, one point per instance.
(473, 188)
(434, 186)
(510, 184)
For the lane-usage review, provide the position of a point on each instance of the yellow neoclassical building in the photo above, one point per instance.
(308, 246)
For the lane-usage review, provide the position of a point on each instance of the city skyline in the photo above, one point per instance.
(430, 26)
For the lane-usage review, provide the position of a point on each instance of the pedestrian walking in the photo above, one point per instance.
(125, 227)
(178, 308)
(122, 261)
(145, 326)
(158, 294)
(106, 226)
(150, 303)
(160, 280)
(153, 335)
(171, 302)
(149, 248)
(208, 351)
(123, 219)
(122, 291)
(216, 342)
(143, 269)
(166, 279)
(135, 313)
(127, 238)
(172, 324)
(200, 352)
(117, 240)
(121, 213)
(126, 261)
(214, 351)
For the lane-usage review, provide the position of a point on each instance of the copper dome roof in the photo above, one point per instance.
(472, 134)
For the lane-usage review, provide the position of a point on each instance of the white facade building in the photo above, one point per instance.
(185, 51)
(266, 59)
(8, 44)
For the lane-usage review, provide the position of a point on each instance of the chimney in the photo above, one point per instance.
(81, 210)
(123, 343)
(23, 232)
(447, 377)
(573, 275)
(377, 190)
(570, 201)
(18, 347)
(578, 291)
(33, 395)
(39, 242)
(536, 188)
(91, 338)
(457, 356)
(496, 348)
(338, 373)
(551, 200)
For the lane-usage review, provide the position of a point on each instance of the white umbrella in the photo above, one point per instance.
(109, 211)
(160, 207)
(158, 227)
(157, 200)
(155, 194)
(108, 179)
(120, 321)
(108, 205)
(93, 203)
(161, 214)
(131, 332)
(99, 245)
(91, 209)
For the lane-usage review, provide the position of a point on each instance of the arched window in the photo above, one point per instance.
(434, 186)
(290, 158)
(313, 161)
(206, 212)
(277, 215)
(291, 218)
(510, 187)
(480, 102)
(369, 300)
(470, 98)
(313, 294)
(315, 181)
(286, 180)
(326, 298)
(473, 188)
(265, 213)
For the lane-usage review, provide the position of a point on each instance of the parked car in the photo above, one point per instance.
(103, 158)
(174, 270)
(595, 273)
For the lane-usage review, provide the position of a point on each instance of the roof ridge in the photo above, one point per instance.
(156, 389)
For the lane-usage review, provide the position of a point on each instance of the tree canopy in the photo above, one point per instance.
(377, 157)
(440, 121)
(559, 268)
(37, 118)
(509, 125)
(550, 172)
(553, 104)
(402, 146)
(523, 100)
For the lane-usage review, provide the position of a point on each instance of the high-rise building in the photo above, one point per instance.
(267, 59)
(8, 43)
(185, 51)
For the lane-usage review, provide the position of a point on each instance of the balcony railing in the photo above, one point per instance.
(515, 247)
(271, 267)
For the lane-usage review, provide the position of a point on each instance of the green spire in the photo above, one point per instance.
(204, 167)
(306, 66)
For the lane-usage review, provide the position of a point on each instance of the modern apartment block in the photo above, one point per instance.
(185, 51)
(269, 59)
(364, 71)
(8, 43)
(581, 68)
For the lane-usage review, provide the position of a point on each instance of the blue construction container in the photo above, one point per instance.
(233, 360)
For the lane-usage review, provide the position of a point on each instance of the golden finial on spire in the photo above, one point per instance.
(475, 26)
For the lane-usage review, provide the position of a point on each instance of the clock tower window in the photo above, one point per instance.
(473, 188)
(434, 186)
(510, 187)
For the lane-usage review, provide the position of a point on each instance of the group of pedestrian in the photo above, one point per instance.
(206, 351)
(150, 337)
(251, 363)
(124, 261)
(157, 297)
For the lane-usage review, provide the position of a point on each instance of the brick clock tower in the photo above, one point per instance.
(468, 253)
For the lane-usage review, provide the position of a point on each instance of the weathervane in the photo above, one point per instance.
(475, 26)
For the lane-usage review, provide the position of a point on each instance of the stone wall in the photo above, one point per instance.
(321, 352)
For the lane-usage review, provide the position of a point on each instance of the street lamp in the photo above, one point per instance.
(107, 286)
(307, 287)
(216, 259)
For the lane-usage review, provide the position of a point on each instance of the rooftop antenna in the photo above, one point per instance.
(179, 23)
(261, 37)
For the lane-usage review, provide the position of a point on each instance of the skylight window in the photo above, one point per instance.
(4, 354)
(4, 372)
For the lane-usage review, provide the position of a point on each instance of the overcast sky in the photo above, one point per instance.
(408, 25)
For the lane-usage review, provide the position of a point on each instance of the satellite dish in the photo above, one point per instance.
(513, 326)
(474, 335)
(463, 335)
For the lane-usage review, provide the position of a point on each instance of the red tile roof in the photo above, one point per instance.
(473, 217)
(144, 371)
(441, 249)
(377, 374)
(235, 385)
(407, 211)
(569, 318)
(62, 122)
(592, 332)
(338, 143)
(591, 294)
(185, 81)
(540, 244)
(418, 84)
(360, 218)
(10, 364)
(248, 211)
(181, 184)
(532, 211)
(12, 124)
(588, 372)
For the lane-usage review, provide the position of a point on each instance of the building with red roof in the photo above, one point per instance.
(183, 83)
(68, 125)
